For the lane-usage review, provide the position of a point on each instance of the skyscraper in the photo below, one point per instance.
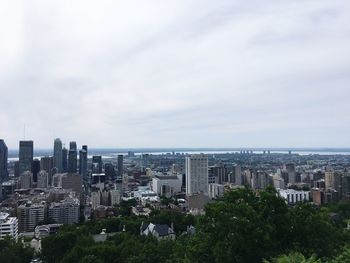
(72, 157)
(3, 160)
(83, 161)
(25, 156)
(64, 159)
(35, 169)
(57, 155)
(97, 164)
(120, 165)
(196, 174)
(72, 161)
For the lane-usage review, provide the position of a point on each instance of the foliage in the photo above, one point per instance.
(13, 252)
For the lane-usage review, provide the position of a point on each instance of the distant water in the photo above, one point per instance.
(112, 152)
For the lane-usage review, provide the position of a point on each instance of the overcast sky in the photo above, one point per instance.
(180, 73)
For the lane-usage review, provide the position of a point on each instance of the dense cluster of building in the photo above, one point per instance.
(71, 185)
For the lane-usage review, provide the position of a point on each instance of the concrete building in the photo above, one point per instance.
(292, 196)
(57, 155)
(290, 169)
(114, 196)
(8, 226)
(3, 161)
(95, 199)
(196, 174)
(26, 180)
(65, 212)
(26, 151)
(216, 191)
(167, 185)
(333, 180)
(217, 174)
(43, 179)
(71, 181)
(29, 215)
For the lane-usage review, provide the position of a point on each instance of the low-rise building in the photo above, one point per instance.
(160, 232)
(293, 196)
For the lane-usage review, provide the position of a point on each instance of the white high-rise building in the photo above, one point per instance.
(8, 226)
(196, 174)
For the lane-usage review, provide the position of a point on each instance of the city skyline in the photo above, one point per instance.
(176, 74)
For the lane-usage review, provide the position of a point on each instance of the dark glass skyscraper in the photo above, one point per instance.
(72, 157)
(64, 159)
(35, 169)
(120, 165)
(3, 160)
(83, 154)
(25, 156)
(97, 164)
(57, 155)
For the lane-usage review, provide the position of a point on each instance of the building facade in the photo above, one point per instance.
(8, 226)
(196, 174)
(26, 151)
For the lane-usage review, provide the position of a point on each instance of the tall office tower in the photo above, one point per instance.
(57, 155)
(73, 146)
(110, 171)
(3, 160)
(43, 179)
(120, 164)
(25, 156)
(64, 159)
(196, 174)
(46, 164)
(35, 169)
(333, 180)
(290, 169)
(97, 164)
(83, 157)
(72, 157)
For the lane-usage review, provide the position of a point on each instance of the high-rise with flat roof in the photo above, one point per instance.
(26, 149)
(196, 174)
(72, 157)
(120, 164)
(57, 154)
(29, 215)
(64, 160)
(3, 160)
(83, 154)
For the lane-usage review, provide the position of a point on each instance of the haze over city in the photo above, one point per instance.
(176, 73)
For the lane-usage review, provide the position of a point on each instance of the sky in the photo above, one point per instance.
(180, 73)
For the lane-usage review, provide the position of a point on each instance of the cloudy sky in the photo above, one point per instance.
(180, 73)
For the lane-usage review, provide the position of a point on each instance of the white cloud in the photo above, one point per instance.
(175, 73)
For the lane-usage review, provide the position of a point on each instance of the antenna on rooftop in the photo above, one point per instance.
(24, 131)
